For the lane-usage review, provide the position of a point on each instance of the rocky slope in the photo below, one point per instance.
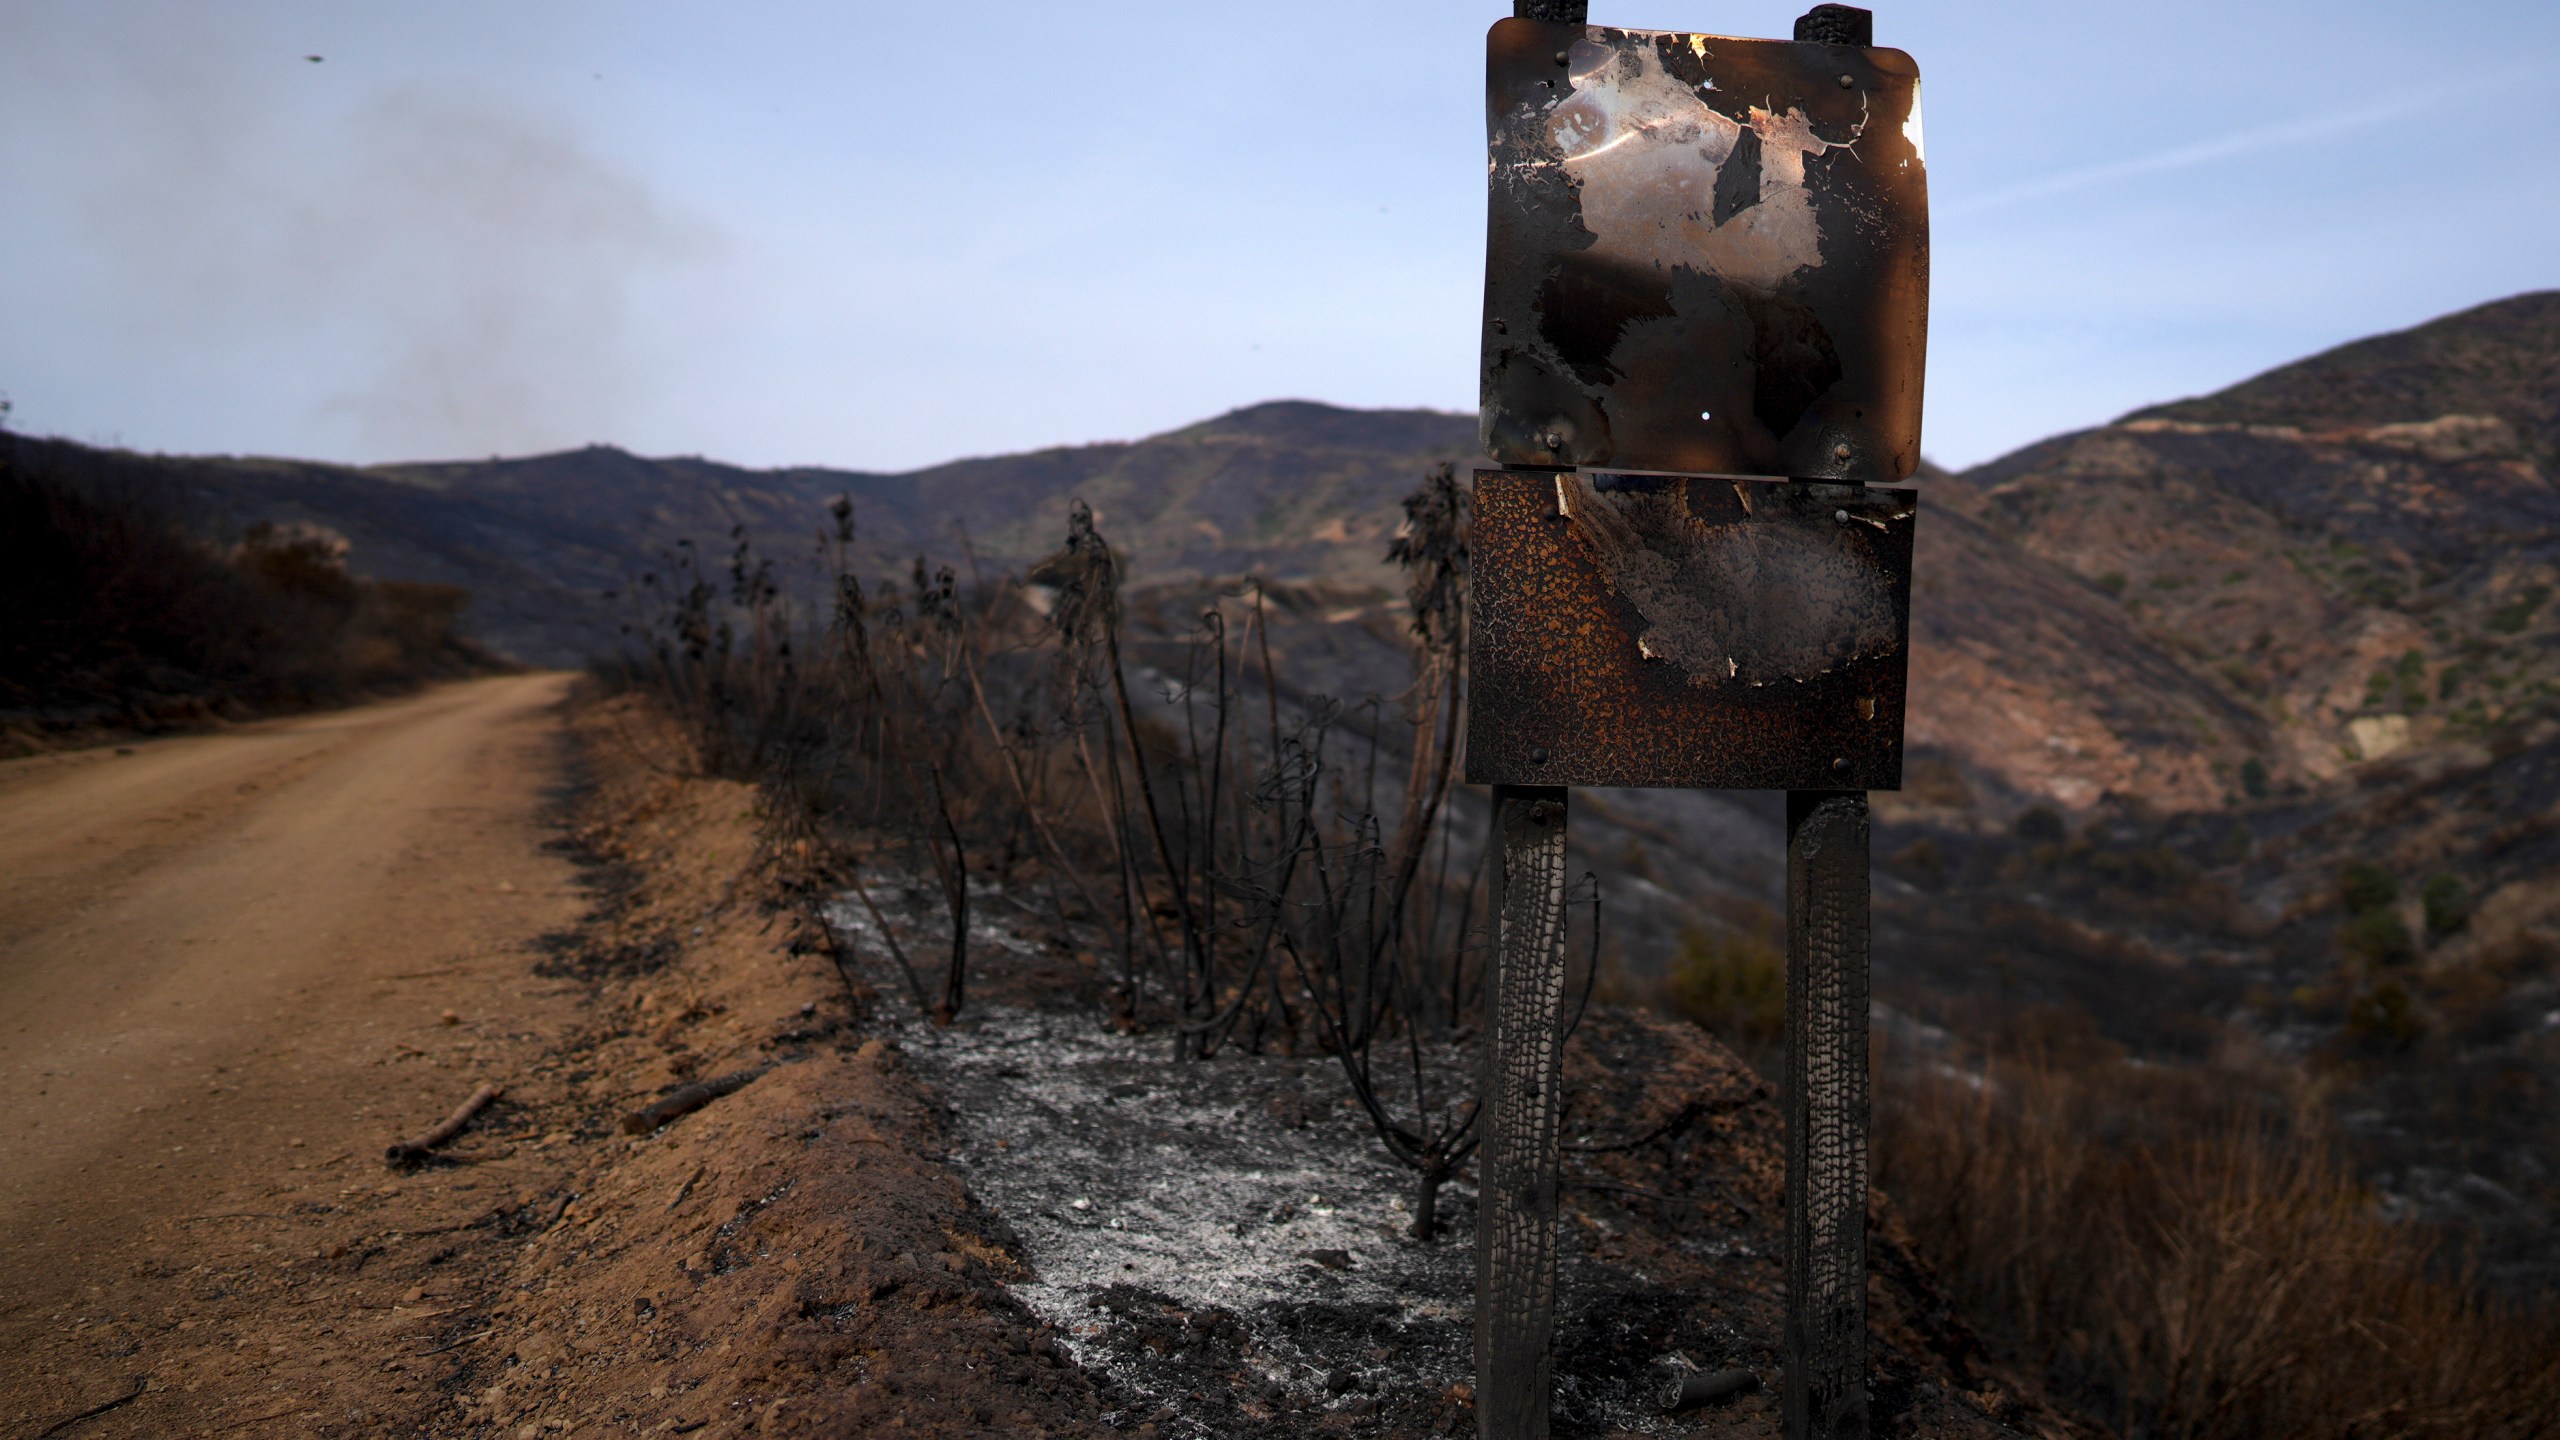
(2285, 673)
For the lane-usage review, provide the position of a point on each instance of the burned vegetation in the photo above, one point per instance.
(126, 616)
(1214, 856)
(1172, 897)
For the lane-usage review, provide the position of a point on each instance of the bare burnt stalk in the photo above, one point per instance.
(1382, 948)
(1240, 860)
(955, 890)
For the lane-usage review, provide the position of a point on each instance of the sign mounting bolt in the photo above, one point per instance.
(1840, 451)
(1846, 82)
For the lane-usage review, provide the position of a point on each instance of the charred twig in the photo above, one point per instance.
(489, 1218)
(140, 1384)
(414, 1151)
(955, 886)
(898, 952)
(686, 1188)
(1022, 791)
(1701, 1387)
(1670, 1129)
(685, 1099)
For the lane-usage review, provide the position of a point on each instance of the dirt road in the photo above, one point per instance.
(226, 966)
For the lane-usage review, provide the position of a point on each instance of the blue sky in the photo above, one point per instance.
(852, 235)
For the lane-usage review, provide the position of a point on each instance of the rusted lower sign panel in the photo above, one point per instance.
(1705, 254)
(1677, 631)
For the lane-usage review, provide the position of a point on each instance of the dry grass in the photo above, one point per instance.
(2186, 1266)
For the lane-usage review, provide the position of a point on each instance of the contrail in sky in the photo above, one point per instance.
(2301, 130)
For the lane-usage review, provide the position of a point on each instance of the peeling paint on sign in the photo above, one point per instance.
(1735, 600)
(1647, 154)
(1688, 631)
(1705, 254)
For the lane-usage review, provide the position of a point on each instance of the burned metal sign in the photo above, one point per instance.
(1705, 254)
(1683, 631)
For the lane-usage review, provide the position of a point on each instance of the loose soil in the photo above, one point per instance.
(236, 966)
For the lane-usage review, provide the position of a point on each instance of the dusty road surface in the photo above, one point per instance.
(235, 967)
(226, 963)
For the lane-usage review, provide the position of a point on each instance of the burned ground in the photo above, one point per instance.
(881, 1231)
(1032, 1221)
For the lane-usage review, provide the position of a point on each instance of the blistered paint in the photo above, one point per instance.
(1648, 151)
(1688, 631)
(1705, 254)
(1748, 602)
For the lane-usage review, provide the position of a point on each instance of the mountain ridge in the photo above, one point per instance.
(2500, 360)
(2269, 586)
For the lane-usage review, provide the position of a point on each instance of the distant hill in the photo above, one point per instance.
(1290, 489)
(2343, 560)
(2501, 359)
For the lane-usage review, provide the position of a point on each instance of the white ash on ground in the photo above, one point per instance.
(1223, 1246)
(1162, 1201)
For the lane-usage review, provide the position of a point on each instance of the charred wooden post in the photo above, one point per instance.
(1826, 1085)
(1826, 1101)
(1516, 1193)
(1524, 999)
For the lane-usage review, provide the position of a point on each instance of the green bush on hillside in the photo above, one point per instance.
(1733, 986)
(2385, 1017)
(2364, 886)
(2512, 617)
(2378, 938)
(2448, 905)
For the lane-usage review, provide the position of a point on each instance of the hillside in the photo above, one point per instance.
(2264, 587)
(2501, 359)
(2291, 658)
(1288, 489)
(2353, 582)
(122, 618)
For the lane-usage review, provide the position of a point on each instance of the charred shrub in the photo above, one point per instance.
(122, 615)
(1247, 864)
(2377, 939)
